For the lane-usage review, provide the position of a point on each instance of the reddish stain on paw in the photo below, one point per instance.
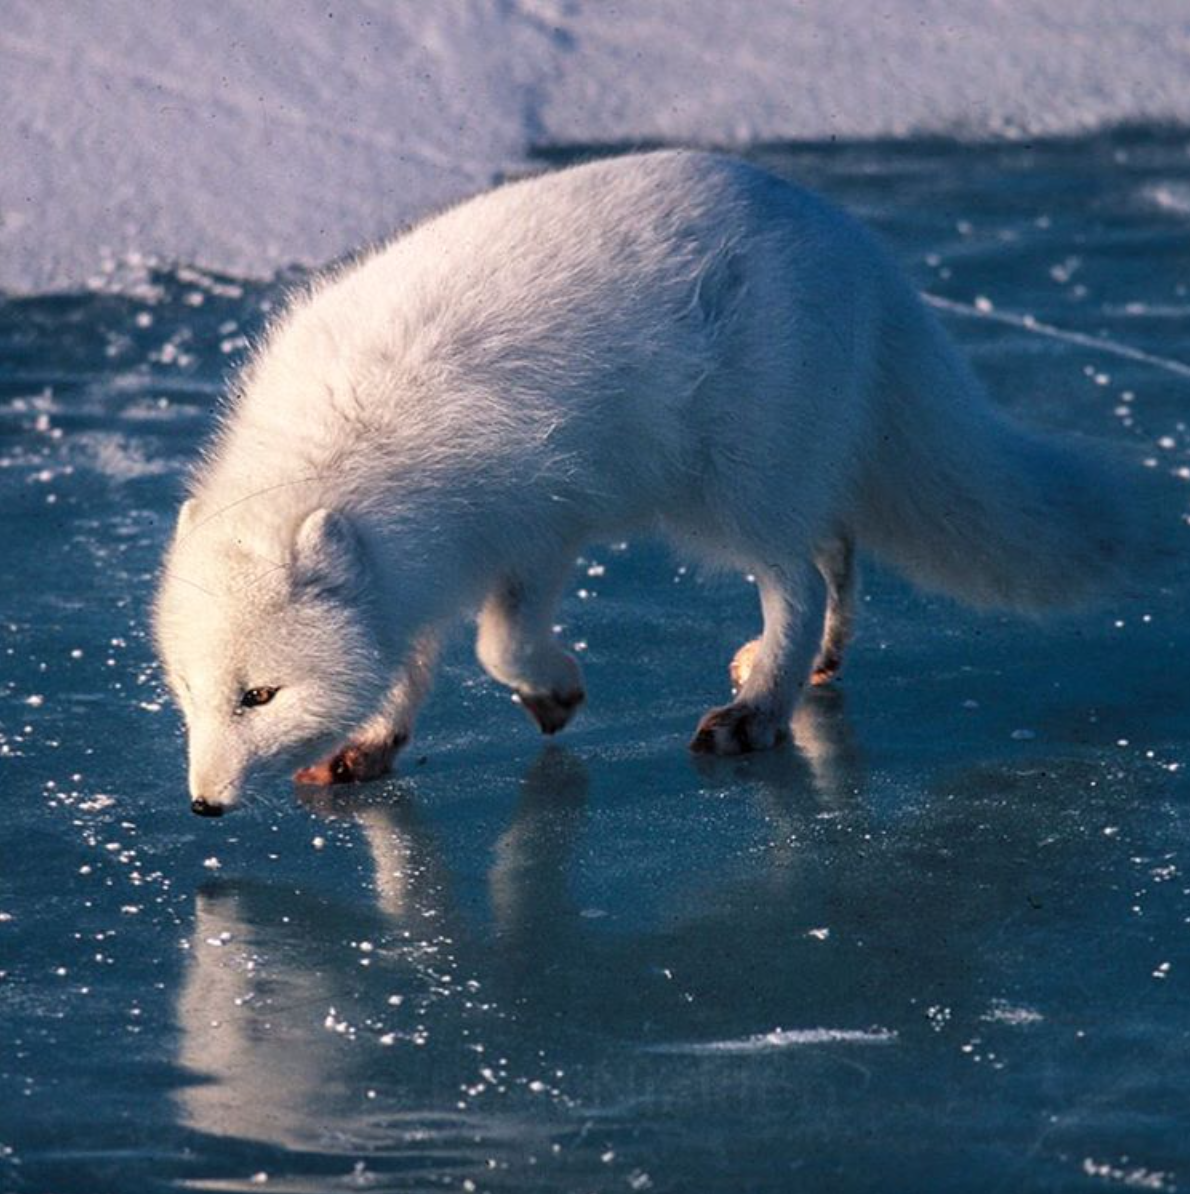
(356, 763)
(825, 670)
(742, 664)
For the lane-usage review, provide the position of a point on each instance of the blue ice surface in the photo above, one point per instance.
(942, 943)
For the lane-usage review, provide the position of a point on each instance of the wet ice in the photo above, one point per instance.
(944, 934)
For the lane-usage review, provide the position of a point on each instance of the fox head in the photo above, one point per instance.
(270, 644)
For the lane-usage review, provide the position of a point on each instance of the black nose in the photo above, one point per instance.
(205, 809)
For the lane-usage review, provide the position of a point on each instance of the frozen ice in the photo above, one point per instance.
(940, 936)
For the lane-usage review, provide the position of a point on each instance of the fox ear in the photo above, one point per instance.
(186, 517)
(327, 553)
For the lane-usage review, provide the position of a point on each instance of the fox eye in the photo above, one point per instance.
(257, 696)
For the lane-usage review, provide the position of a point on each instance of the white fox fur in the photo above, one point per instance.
(675, 341)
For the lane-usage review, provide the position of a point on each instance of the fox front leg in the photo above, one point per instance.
(517, 647)
(371, 751)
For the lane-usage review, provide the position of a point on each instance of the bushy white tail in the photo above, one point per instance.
(962, 500)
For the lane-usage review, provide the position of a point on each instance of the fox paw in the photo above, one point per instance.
(737, 729)
(551, 710)
(356, 763)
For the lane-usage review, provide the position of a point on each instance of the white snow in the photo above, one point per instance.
(246, 134)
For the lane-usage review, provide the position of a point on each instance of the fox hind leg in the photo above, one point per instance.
(793, 604)
(835, 560)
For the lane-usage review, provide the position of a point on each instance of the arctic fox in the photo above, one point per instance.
(674, 341)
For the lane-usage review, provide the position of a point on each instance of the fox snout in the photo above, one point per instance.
(212, 800)
(214, 786)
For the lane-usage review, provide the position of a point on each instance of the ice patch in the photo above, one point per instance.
(1139, 310)
(1029, 323)
(121, 459)
(1003, 1012)
(1136, 1177)
(783, 1038)
(1169, 196)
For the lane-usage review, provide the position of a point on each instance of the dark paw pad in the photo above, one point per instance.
(737, 729)
(551, 710)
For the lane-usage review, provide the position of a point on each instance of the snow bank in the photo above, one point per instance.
(246, 134)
